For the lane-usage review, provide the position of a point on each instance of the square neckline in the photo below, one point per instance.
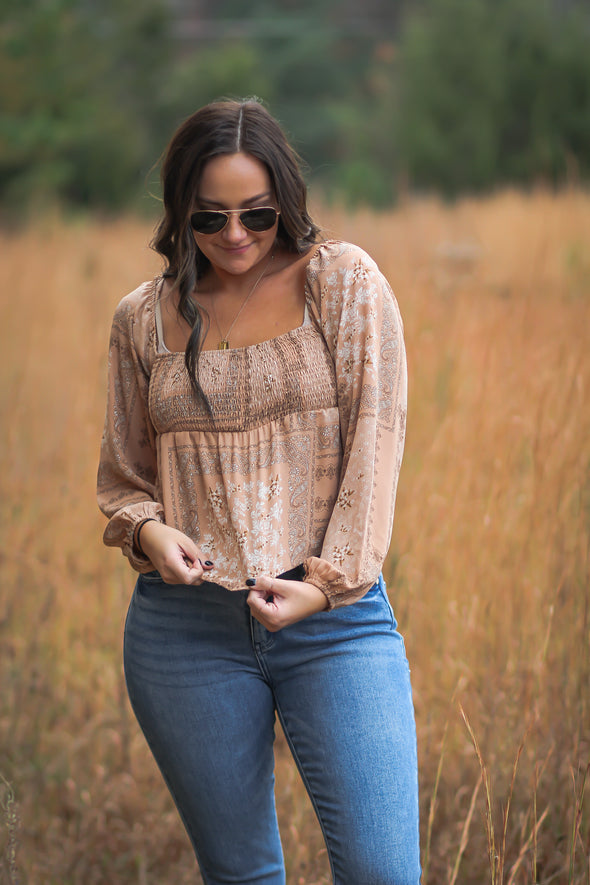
(162, 349)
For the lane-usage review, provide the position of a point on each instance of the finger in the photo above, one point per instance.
(265, 613)
(262, 600)
(205, 565)
(182, 570)
(195, 573)
(190, 553)
(179, 573)
(195, 563)
(263, 585)
(265, 607)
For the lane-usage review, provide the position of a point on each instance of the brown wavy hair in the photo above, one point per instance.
(223, 127)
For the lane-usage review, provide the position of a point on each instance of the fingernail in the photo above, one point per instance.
(208, 562)
(250, 582)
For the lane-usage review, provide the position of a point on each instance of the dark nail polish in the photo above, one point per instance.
(208, 562)
(250, 582)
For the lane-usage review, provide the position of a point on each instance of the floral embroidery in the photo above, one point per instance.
(273, 487)
(340, 553)
(359, 272)
(241, 538)
(215, 498)
(345, 498)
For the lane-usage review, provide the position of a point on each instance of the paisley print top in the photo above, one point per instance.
(298, 462)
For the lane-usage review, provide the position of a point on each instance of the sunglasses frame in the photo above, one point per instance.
(240, 213)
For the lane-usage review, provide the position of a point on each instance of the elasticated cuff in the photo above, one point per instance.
(120, 532)
(338, 589)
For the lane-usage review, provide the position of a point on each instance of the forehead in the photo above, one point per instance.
(234, 179)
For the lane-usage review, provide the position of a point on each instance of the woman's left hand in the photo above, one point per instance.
(277, 603)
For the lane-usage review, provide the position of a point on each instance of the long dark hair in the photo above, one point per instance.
(223, 127)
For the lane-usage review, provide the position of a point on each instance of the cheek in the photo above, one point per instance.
(202, 243)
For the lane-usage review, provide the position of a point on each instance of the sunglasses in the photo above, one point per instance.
(212, 222)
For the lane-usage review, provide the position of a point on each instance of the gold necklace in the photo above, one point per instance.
(224, 339)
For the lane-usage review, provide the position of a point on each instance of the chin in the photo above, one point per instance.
(241, 259)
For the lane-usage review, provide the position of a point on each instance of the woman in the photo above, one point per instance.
(253, 440)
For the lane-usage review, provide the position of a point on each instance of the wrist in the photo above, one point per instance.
(137, 533)
(319, 596)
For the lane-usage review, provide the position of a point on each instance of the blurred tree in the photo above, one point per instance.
(468, 94)
(545, 121)
(101, 86)
(311, 62)
(494, 91)
(75, 89)
(451, 84)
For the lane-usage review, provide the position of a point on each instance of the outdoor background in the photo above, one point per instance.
(449, 138)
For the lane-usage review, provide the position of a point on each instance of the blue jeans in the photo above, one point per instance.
(205, 679)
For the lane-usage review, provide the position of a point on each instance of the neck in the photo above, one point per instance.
(224, 336)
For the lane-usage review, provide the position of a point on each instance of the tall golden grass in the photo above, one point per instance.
(488, 571)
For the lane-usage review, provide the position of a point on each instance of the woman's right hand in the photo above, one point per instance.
(173, 554)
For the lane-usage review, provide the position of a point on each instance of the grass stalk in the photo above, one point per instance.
(9, 807)
(507, 809)
(532, 838)
(465, 832)
(426, 862)
(493, 857)
(579, 805)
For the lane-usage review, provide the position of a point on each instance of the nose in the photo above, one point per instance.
(234, 231)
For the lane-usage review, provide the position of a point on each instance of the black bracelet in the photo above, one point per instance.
(138, 532)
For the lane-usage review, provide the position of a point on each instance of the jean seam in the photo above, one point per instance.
(307, 785)
(385, 595)
(261, 647)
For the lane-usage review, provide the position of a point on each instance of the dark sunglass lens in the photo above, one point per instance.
(258, 219)
(208, 222)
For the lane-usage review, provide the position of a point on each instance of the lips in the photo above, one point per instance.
(236, 250)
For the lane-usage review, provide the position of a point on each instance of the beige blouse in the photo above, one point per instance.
(300, 461)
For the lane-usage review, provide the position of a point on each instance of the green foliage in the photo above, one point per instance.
(465, 95)
(494, 91)
(452, 62)
(214, 71)
(75, 92)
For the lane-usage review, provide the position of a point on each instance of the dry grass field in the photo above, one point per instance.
(488, 570)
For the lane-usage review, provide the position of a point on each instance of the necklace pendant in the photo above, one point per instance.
(223, 344)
